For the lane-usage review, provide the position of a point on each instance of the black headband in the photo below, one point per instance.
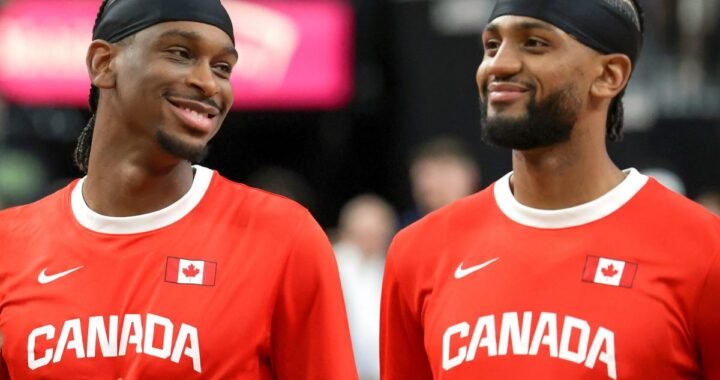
(595, 23)
(123, 18)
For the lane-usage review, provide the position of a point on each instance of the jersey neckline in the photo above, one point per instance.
(568, 217)
(144, 222)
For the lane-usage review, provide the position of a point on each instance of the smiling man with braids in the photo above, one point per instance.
(151, 267)
(567, 267)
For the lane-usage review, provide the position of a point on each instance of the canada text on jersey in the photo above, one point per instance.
(457, 349)
(103, 332)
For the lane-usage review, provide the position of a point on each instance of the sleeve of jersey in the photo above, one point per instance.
(708, 323)
(310, 337)
(4, 374)
(402, 353)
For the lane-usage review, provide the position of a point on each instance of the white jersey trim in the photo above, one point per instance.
(145, 222)
(568, 217)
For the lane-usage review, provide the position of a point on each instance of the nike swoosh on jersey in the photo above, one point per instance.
(43, 278)
(461, 272)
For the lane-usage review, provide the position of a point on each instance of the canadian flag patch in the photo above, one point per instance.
(196, 272)
(601, 270)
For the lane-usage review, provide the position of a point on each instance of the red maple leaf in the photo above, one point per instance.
(191, 271)
(610, 271)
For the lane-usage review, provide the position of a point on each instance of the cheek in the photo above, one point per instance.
(480, 77)
(141, 81)
(575, 81)
(564, 73)
(228, 93)
(548, 76)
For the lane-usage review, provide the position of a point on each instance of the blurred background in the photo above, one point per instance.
(334, 95)
(359, 105)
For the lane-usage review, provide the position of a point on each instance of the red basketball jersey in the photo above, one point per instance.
(624, 287)
(229, 282)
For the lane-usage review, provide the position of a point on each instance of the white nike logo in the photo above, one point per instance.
(460, 272)
(45, 279)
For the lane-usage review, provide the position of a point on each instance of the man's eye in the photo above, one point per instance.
(225, 68)
(180, 53)
(534, 42)
(491, 45)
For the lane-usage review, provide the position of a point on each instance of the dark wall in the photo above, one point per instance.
(411, 84)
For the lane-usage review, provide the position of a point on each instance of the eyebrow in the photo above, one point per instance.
(525, 25)
(195, 36)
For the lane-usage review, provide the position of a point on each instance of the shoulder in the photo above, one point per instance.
(34, 216)
(424, 239)
(455, 215)
(673, 227)
(659, 205)
(226, 194)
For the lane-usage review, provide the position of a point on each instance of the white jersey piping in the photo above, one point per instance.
(569, 217)
(145, 222)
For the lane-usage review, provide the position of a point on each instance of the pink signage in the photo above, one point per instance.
(293, 54)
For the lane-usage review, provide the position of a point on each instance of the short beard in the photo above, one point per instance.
(546, 123)
(180, 149)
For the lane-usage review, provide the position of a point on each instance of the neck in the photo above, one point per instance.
(566, 174)
(130, 176)
(128, 190)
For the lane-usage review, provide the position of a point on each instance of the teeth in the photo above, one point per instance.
(196, 114)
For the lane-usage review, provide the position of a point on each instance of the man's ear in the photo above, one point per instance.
(100, 65)
(615, 74)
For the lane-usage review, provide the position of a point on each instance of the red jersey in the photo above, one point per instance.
(229, 282)
(624, 287)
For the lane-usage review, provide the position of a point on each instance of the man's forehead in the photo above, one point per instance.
(120, 19)
(193, 28)
(512, 23)
(189, 30)
(602, 25)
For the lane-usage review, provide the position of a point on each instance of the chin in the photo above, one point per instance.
(176, 146)
(512, 111)
(508, 118)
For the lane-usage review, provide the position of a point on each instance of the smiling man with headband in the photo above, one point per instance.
(567, 267)
(150, 267)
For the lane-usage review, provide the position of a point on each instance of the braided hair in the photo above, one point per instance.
(616, 112)
(82, 150)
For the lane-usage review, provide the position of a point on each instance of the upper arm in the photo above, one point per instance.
(708, 322)
(4, 374)
(402, 348)
(310, 335)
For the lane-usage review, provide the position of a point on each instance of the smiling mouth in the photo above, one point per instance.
(505, 93)
(195, 115)
(505, 96)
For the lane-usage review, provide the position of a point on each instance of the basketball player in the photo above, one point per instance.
(150, 267)
(567, 267)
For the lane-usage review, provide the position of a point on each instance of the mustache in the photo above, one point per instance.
(529, 85)
(199, 98)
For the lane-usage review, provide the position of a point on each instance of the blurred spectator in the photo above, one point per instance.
(441, 171)
(367, 223)
(711, 200)
(22, 176)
